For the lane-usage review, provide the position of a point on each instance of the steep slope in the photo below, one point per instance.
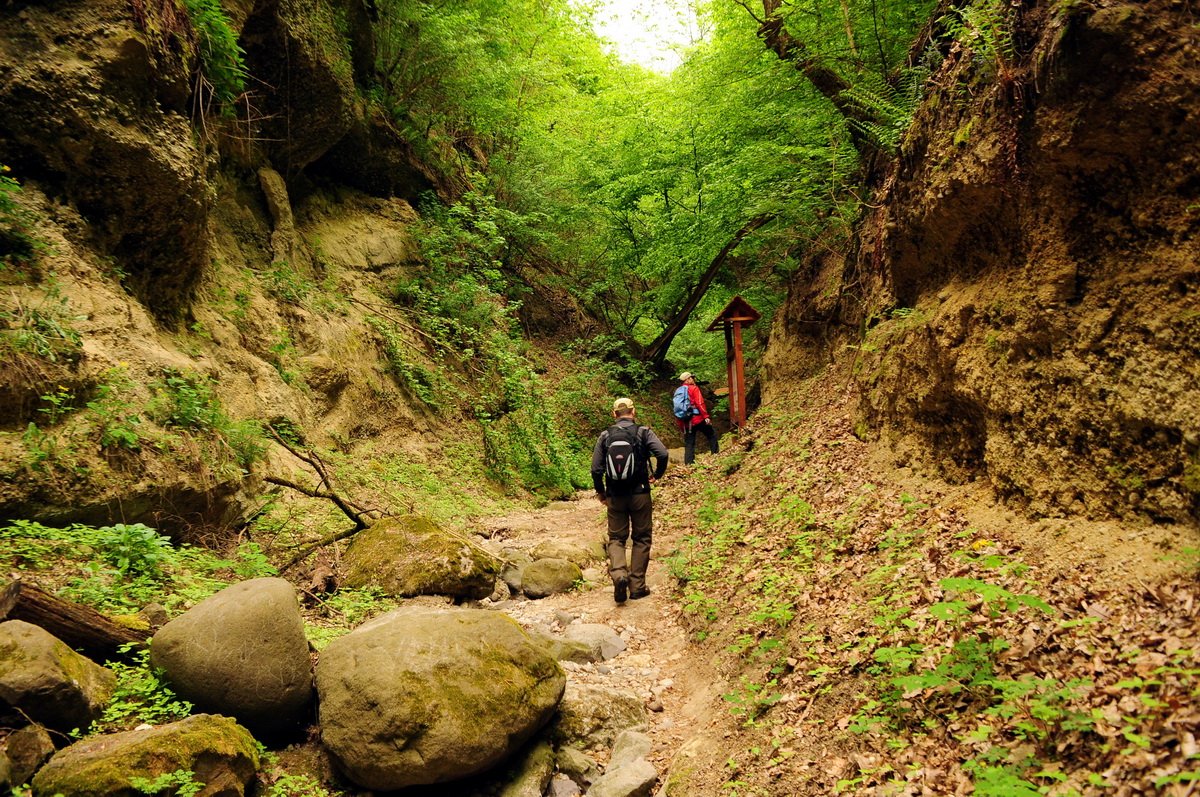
(200, 270)
(955, 550)
(1024, 300)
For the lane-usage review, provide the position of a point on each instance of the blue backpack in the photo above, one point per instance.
(681, 405)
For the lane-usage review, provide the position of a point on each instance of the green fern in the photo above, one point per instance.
(221, 58)
(985, 30)
(889, 108)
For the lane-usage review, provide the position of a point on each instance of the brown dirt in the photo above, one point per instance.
(659, 660)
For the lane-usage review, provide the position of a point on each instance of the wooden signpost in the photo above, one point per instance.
(737, 314)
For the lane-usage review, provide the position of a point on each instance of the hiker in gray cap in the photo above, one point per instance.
(622, 478)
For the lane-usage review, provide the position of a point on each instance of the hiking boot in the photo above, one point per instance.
(620, 589)
(639, 593)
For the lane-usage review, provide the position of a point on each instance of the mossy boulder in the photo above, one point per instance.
(410, 555)
(220, 753)
(25, 749)
(243, 653)
(47, 681)
(423, 695)
(549, 577)
(591, 717)
(562, 549)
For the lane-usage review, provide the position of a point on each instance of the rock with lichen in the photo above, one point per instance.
(47, 681)
(216, 751)
(422, 695)
(411, 555)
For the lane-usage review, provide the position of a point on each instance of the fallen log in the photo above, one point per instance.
(81, 627)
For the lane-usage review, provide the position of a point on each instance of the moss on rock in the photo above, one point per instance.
(221, 754)
(411, 555)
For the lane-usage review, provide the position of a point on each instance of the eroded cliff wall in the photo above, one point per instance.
(1024, 303)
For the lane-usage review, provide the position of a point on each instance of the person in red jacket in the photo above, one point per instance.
(698, 422)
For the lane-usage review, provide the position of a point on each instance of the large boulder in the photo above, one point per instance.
(591, 717)
(241, 652)
(217, 751)
(549, 577)
(47, 681)
(410, 555)
(427, 695)
(25, 750)
(564, 549)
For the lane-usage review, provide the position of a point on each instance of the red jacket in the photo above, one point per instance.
(697, 400)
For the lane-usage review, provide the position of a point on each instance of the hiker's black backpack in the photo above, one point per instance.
(625, 461)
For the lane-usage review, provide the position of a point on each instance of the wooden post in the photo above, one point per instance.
(737, 313)
(734, 393)
(737, 410)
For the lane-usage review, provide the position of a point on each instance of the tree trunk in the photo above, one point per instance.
(656, 352)
(81, 627)
(830, 84)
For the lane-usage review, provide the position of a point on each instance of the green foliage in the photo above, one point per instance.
(296, 786)
(113, 414)
(142, 696)
(43, 328)
(751, 699)
(425, 383)
(222, 62)
(132, 549)
(286, 284)
(346, 609)
(18, 243)
(57, 404)
(123, 567)
(46, 452)
(984, 29)
(187, 401)
(180, 783)
(470, 355)
(888, 107)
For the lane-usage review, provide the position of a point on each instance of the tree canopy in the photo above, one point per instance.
(650, 198)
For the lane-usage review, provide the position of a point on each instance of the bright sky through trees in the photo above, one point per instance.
(647, 32)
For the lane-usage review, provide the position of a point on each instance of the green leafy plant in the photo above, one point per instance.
(285, 283)
(133, 549)
(888, 108)
(187, 401)
(112, 412)
(43, 328)
(180, 783)
(18, 244)
(984, 28)
(58, 404)
(142, 695)
(296, 786)
(46, 452)
(222, 64)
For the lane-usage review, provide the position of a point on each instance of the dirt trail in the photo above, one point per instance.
(658, 664)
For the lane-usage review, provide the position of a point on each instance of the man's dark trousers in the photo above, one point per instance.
(624, 512)
(689, 441)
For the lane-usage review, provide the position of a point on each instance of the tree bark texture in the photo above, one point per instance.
(81, 627)
(656, 352)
